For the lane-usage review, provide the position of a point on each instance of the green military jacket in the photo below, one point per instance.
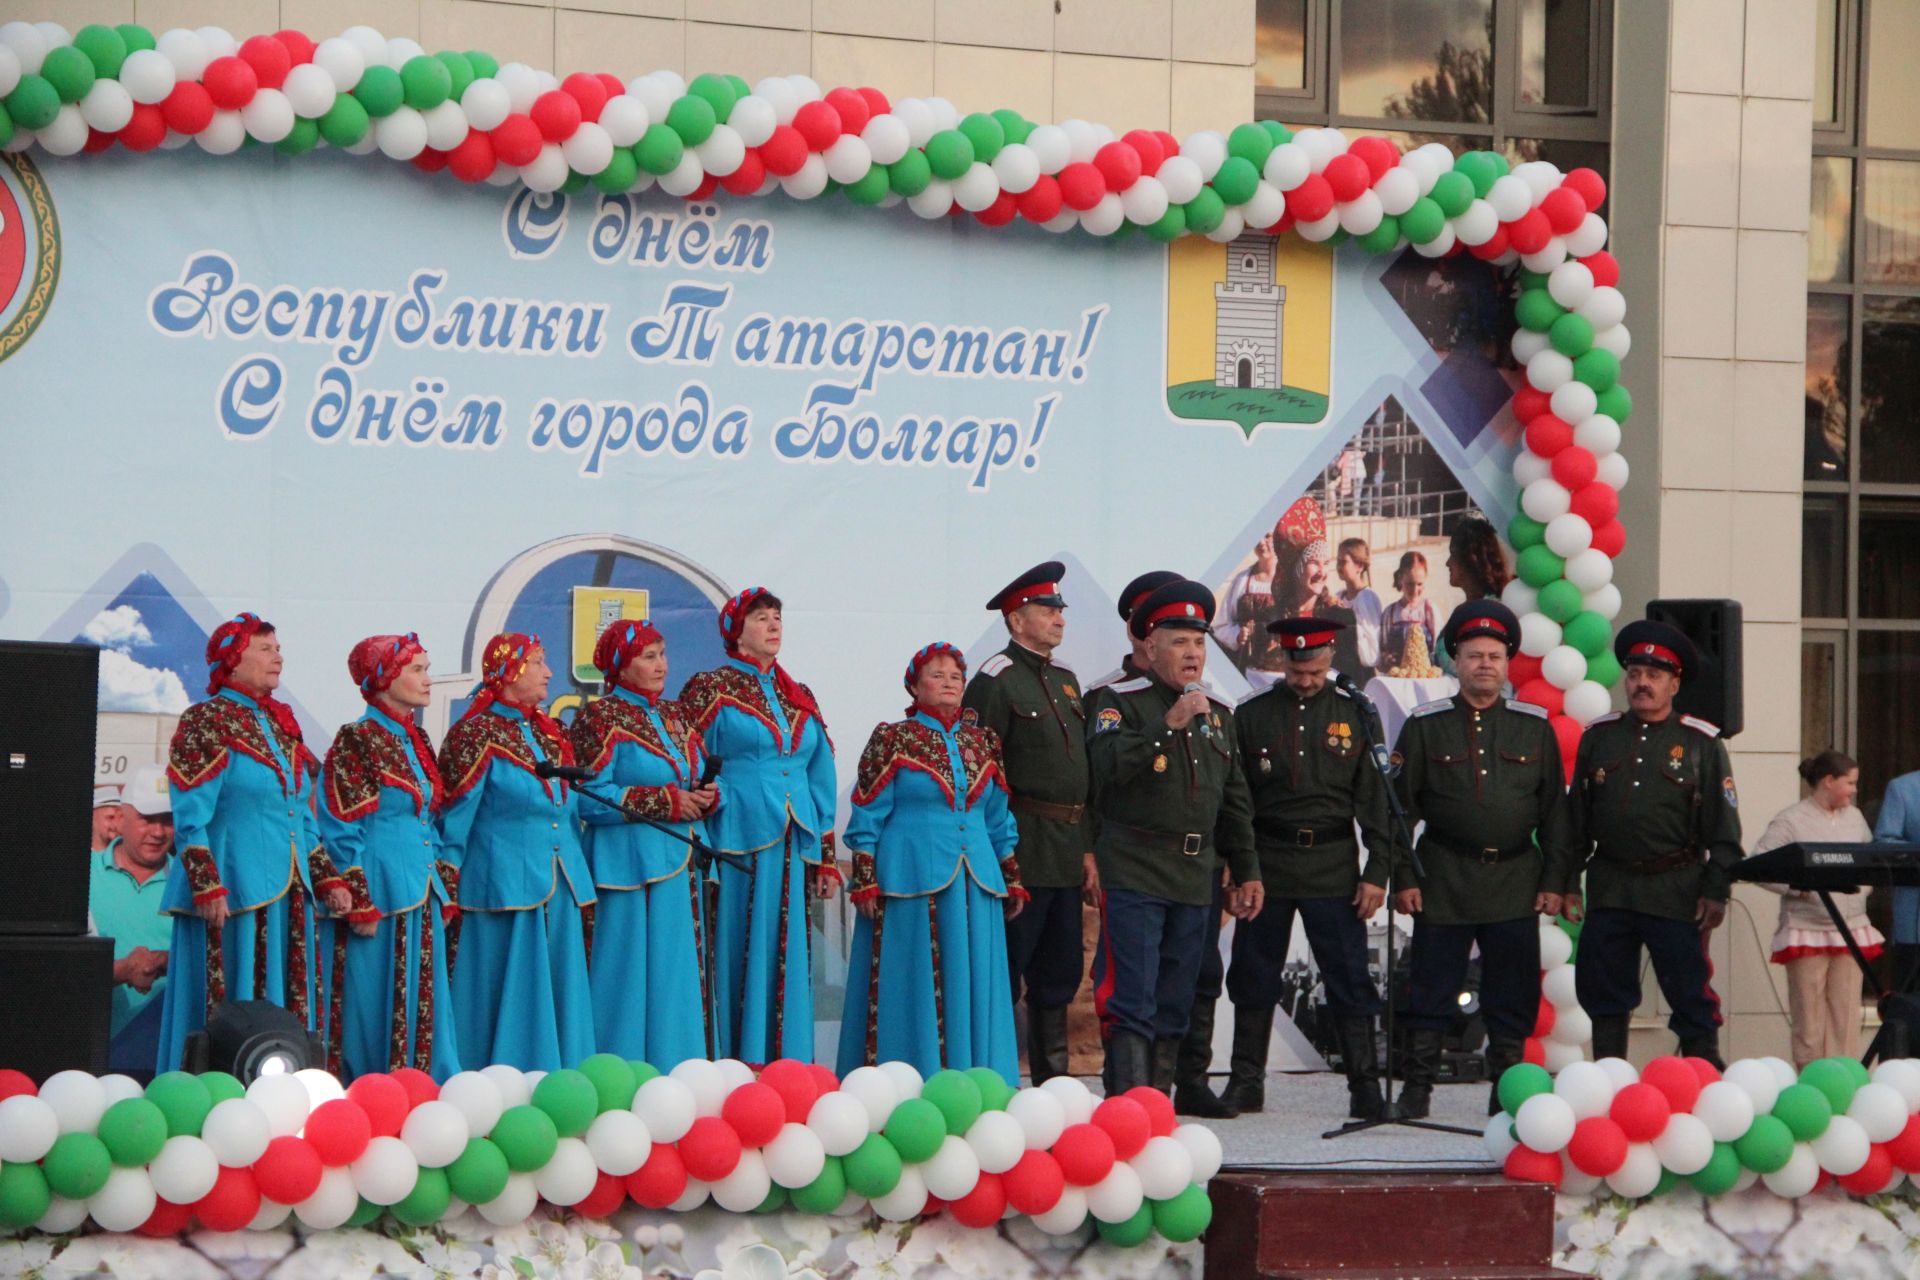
(1311, 780)
(1486, 783)
(1178, 783)
(1035, 705)
(1643, 791)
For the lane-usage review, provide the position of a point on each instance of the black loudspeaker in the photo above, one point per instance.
(1714, 627)
(46, 786)
(56, 1003)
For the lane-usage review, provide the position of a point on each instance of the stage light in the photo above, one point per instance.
(254, 1038)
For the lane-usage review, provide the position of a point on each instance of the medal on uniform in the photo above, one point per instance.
(1266, 765)
(1676, 754)
(1069, 691)
(1599, 775)
(1159, 764)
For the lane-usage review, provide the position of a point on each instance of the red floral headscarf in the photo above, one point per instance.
(918, 663)
(733, 618)
(501, 662)
(619, 643)
(377, 660)
(225, 647)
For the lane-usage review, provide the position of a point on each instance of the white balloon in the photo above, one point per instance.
(588, 151)
(1232, 223)
(1288, 165)
(436, 1132)
(1797, 1177)
(62, 1216)
(1585, 1087)
(1727, 1108)
(371, 44)
(28, 44)
(1559, 986)
(1619, 1070)
(874, 1090)
(1509, 197)
(848, 160)
(28, 1127)
(796, 1155)
(1615, 340)
(1075, 1098)
(237, 1131)
(1527, 343)
(1068, 1214)
(1598, 434)
(1548, 371)
(668, 1107)
(1557, 1056)
(522, 84)
(624, 117)
(1520, 598)
(403, 135)
(1267, 206)
(887, 138)
(10, 70)
(67, 135)
(1602, 306)
(808, 183)
(477, 1097)
(1612, 471)
(309, 90)
(1051, 147)
(1164, 1166)
(1440, 245)
(1541, 177)
(516, 1203)
(1397, 188)
(1118, 1196)
(1477, 224)
(1589, 569)
(272, 1214)
(269, 117)
(1206, 149)
(1783, 1072)
(1587, 702)
(1575, 1183)
(1108, 216)
(907, 1081)
(1571, 285)
(1756, 1079)
(998, 1141)
(385, 1172)
(1639, 1174)
(1016, 168)
(692, 1198)
(743, 1190)
(1321, 145)
(1538, 634)
(977, 188)
(1145, 202)
(1843, 1148)
(1203, 1144)
(619, 1142)
(1685, 1145)
(936, 201)
(1604, 601)
(1361, 214)
(185, 1169)
(283, 1100)
(1181, 178)
(126, 1201)
(569, 1177)
(1903, 1074)
(1569, 535)
(1574, 403)
(147, 75)
(702, 1079)
(1041, 1116)
(953, 1170)
(1563, 667)
(1589, 238)
(1421, 169)
(1547, 258)
(1320, 230)
(907, 1199)
(1556, 948)
(840, 1121)
(1544, 1122)
(108, 106)
(1571, 1027)
(1499, 1137)
(1083, 140)
(1746, 1179)
(1543, 500)
(401, 51)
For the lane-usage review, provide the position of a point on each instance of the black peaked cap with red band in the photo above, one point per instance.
(1482, 618)
(1657, 644)
(1183, 604)
(1038, 585)
(1142, 587)
(1302, 636)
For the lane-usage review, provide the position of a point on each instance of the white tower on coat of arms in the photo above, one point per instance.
(1247, 312)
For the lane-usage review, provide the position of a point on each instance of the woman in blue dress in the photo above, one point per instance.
(380, 799)
(520, 994)
(777, 823)
(647, 966)
(934, 879)
(243, 788)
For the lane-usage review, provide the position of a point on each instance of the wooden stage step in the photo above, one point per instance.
(1312, 1225)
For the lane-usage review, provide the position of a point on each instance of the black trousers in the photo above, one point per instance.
(1339, 941)
(1043, 948)
(1509, 974)
(1607, 971)
(1213, 970)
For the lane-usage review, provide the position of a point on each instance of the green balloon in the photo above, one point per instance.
(1766, 1146)
(1251, 143)
(956, 1096)
(221, 1086)
(692, 118)
(740, 86)
(1423, 223)
(427, 1202)
(1520, 1082)
(1383, 237)
(1205, 211)
(1133, 1231)
(1604, 669)
(1477, 167)
(995, 1092)
(136, 36)
(526, 1136)
(776, 1200)
(1185, 1216)
(916, 1129)
(426, 82)
(950, 153)
(659, 149)
(1531, 279)
(1616, 402)
(824, 1193)
(1539, 566)
(986, 134)
(1668, 1181)
(1831, 1079)
(1500, 166)
(872, 1168)
(1453, 192)
(6, 126)
(365, 1214)
(1588, 632)
(459, 72)
(346, 121)
(871, 187)
(1856, 1070)
(1536, 310)
(621, 173)
(1171, 225)
(642, 1072)
(77, 1166)
(910, 174)
(1015, 126)
(380, 91)
(479, 1173)
(1339, 237)
(302, 138)
(1571, 335)
(1720, 1174)
(24, 1195)
(1560, 600)
(1525, 532)
(133, 1131)
(34, 103)
(1804, 1110)
(1598, 368)
(570, 1100)
(183, 1100)
(612, 1079)
(576, 183)
(717, 90)
(485, 65)
(1237, 180)
(1277, 131)
(105, 48)
(69, 71)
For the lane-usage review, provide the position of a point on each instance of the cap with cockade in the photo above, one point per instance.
(1142, 587)
(1657, 644)
(1185, 605)
(1481, 618)
(1301, 637)
(1038, 585)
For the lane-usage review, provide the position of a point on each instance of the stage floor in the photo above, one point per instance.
(1303, 1105)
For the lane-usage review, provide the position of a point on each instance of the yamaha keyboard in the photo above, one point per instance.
(1813, 866)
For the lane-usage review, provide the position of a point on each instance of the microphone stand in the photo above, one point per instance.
(1401, 832)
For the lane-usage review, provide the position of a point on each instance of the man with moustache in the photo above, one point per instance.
(126, 883)
(1135, 661)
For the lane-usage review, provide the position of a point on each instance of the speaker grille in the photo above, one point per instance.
(47, 721)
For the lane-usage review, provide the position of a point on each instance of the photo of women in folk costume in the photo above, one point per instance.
(1291, 576)
(520, 991)
(649, 928)
(243, 784)
(390, 1005)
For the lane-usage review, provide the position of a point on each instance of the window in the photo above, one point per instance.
(1860, 522)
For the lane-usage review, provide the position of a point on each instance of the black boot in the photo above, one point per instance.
(1423, 1068)
(1501, 1054)
(1046, 1043)
(1247, 1086)
(1362, 1061)
(1609, 1038)
(1129, 1059)
(1166, 1059)
(1704, 1046)
(1192, 1096)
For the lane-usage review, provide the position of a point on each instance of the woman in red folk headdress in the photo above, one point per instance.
(520, 992)
(1291, 577)
(243, 784)
(379, 814)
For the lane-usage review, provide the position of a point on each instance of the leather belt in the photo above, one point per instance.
(1191, 843)
(1678, 860)
(1299, 836)
(1047, 809)
(1485, 855)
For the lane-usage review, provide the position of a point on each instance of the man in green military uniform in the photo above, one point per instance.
(1134, 662)
(1483, 771)
(1656, 824)
(1172, 804)
(1034, 705)
(1311, 780)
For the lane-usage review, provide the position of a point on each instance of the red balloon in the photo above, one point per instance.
(1675, 1081)
(1312, 200)
(1595, 503)
(1611, 538)
(1543, 1018)
(429, 161)
(1042, 201)
(661, 1180)
(1494, 246)
(1146, 145)
(1524, 1164)
(708, 185)
(1004, 209)
(849, 108)
(1085, 1153)
(1546, 433)
(231, 84)
(1642, 1110)
(613, 84)
(418, 1084)
(1706, 1071)
(981, 1207)
(167, 1219)
(1567, 732)
(1530, 232)
(298, 44)
(1529, 402)
(269, 58)
(1871, 1178)
(1081, 185)
(1034, 1184)
(1119, 164)
(188, 109)
(608, 1194)
(819, 124)
(147, 129)
(1157, 1105)
(1573, 466)
(784, 152)
(384, 1100)
(1125, 1122)
(756, 1113)
(1521, 668)
(1564, 209)
(1347, 176)
(795, 1084)
(97, 141)
(339, 1130)
(15, 1082)
(473, 159)
(1541, 694)
(586, 90)
(556, 115)
(516, 140)
(746, 180)
(710, 1149)
(1605, 268)
(1377, 154)
(1588, 185)
(289, 1170)
(232, 1203)
(877, 102)
(1598, 1146)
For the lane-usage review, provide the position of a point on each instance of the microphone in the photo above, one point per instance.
(565, 772)
(1341, 680)
(1382, 759)
(709, 771)
(1206, 722)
